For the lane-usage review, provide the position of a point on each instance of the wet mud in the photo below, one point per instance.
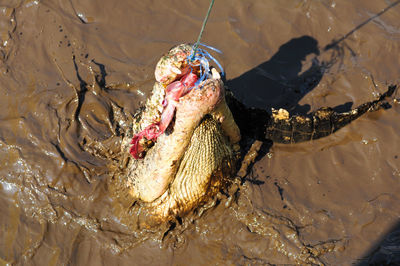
(73, 73)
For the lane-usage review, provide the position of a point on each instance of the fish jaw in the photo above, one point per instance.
(162, 160)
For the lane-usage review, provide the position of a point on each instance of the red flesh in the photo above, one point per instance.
(174, 91)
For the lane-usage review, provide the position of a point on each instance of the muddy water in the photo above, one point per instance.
(71, 70)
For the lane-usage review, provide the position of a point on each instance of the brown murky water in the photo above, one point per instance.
(338, 196)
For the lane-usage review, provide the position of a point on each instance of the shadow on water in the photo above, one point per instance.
(279, 82)
(386, 251)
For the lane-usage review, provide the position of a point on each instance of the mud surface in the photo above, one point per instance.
(71, 70)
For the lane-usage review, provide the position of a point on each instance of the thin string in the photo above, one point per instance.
(202, 29)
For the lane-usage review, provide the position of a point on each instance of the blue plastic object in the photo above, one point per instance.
(203, 57)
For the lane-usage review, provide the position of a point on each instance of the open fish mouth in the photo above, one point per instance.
(181, 70)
